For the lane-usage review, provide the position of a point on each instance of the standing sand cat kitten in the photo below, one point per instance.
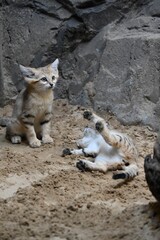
(33, 108)
(111, 150)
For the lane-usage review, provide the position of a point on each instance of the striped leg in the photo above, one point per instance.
(27, 121)
(85, 165)
(46, 128)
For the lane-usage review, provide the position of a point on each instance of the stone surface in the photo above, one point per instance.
(1, 58)
(108, 50)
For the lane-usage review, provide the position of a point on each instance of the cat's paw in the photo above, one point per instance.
(118, 175)
(99, 126)
(16, 139)
(66, 152)
(35, 144)
(82, 166)
(126, 163)
(47, 139)
(87, 115)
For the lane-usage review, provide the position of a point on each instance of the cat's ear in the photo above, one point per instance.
(27, 71)
(54, 65)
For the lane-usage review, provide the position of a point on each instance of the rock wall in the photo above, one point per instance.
(108, 51)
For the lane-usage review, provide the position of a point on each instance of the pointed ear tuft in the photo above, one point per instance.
(27, 72)
(54, 65)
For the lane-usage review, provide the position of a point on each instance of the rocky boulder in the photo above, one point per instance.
(108, 51)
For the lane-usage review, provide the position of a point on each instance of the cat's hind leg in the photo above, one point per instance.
(128, 172)
(100, 164)
(16, 139)
(85, 165)
(14, 132)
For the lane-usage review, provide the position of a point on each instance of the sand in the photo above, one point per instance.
(44, 196)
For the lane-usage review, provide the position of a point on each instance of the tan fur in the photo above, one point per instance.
(33, 108)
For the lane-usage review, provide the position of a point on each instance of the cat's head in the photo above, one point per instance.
(41, 78)
(89, 132)
(89, 135)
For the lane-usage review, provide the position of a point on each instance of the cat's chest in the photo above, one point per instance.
(40, 105)
(43, 105)
(42, 109)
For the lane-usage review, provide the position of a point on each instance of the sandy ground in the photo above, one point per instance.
(44, 196)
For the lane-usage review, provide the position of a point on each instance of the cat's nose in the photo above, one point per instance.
(51, 85)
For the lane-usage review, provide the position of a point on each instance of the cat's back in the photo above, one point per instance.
(19, 103)
(127, 145)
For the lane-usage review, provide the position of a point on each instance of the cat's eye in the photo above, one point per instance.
(44, 79)
(53, 77)
(30, 75)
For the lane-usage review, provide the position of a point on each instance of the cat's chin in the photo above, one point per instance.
(47, 89)
(50, 87)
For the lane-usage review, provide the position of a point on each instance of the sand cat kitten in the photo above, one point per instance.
(111, 150)
(33, 108)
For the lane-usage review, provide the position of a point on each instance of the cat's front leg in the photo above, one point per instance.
(93, 117)
(45, 129)
(101, 127)
(87, 152)
(34, 142)
(27, 121)
(68, 151)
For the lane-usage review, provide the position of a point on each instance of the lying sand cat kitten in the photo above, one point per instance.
(33, 108)
(112, 150)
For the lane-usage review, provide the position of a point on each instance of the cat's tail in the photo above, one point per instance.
(4, 121)
(128, 172)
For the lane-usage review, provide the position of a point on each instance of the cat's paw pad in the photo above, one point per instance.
(82, 166)
(16, 139)
(87, 115)
(66, 151)
(126, 163)
(47, 139)
(35, 144)
(99, 126)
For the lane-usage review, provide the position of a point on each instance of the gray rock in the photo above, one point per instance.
(108, 51)
(1, 58)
